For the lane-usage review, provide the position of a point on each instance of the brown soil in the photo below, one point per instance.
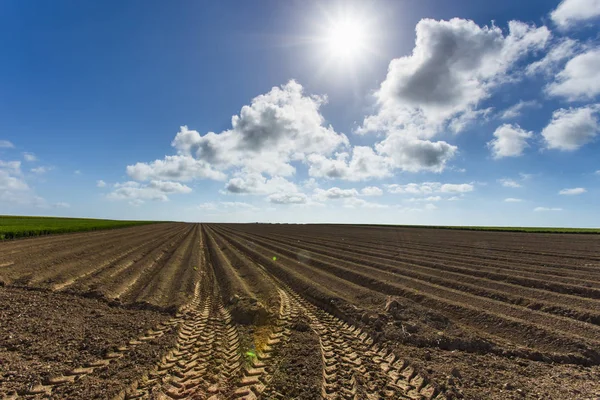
(300, 311)
(298, 375)
(43, 335)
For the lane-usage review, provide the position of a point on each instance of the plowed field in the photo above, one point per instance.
(217, 311)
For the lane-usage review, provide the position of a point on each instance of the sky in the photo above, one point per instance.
(383, 112)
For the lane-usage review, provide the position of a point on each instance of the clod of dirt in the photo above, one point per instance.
(301, 325)
(247, 311)
(392, 305)
(456, 373)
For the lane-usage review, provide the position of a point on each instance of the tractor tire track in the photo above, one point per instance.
(206, 357)
(258, 375)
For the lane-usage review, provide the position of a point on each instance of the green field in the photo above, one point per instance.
(12, 227)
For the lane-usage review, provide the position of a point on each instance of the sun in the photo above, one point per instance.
(346, 38)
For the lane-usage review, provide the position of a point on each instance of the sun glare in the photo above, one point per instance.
(346, 38)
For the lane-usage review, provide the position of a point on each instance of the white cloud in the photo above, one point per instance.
(571, 128)
(453, 67)
(430, 187)
(77, 172)
(371, 191)
(460, 123)
(61, 204)
(154, 190)
(362, 203)
(30, 157)
(334, 193)
(40, 170)
(5, 144)
(430, 207)
(506, 182)
(580, 79)
(310, 183)
(178, 168)
(364, 164)
(570, 12)
(510, 141)
(14, 190)
(100, 183)
(288, 198)
(277, 128)
(512, 200)
(457, 188)
(541, 209)
(414, 155)
(11, 177)
(560, 51)
(424, 199)
(573, 191)
(516, 110)
(256, 183)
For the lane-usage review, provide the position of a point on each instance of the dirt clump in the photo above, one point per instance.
(248, 310)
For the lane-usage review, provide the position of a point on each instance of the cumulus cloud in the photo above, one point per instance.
(362, 164)
(13, 187)
(506, 182)
(580, 79)
(453, 67)
(178, 168)
(425, 199)
(516, 110)
(11, 176)
(560, 51)
(570, 12)
(154, 190)
(288, 198)
(371, 191)
(430, 187)
(256, 183)
(414, 155)
(30, 157)
(542, 209)
(571, 128)
(573, 191)
(276, 129)
(512, 200)
(100, 183)
(5, 144)
(334, 193)
(509, 141)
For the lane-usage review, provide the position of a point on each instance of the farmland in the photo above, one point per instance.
(12, 227)
(246, 311)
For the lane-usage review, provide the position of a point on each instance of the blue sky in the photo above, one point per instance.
(429, 112)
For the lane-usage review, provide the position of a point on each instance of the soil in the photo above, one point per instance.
(46, 334)
(300, 312)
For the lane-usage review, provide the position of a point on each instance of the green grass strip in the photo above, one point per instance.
(12, 227)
